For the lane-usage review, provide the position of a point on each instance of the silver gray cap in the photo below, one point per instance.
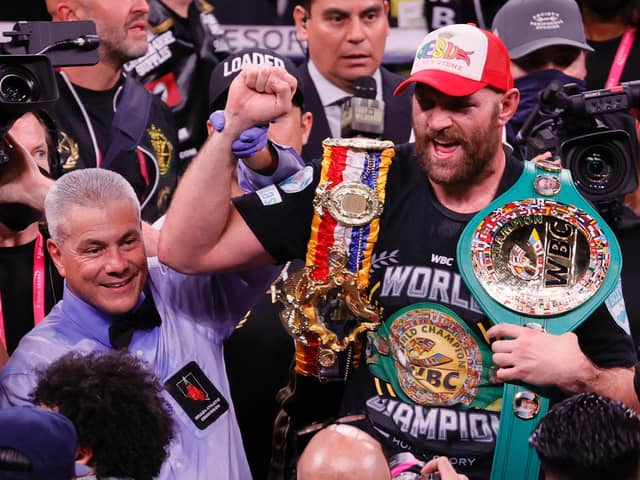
(529, 25)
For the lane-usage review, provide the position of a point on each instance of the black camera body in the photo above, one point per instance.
(27, 83)
(27, 61)
(591, 137)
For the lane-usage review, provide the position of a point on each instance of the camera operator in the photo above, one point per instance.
(556, 51)
(545, 50)
(29, 283)
(540, 55)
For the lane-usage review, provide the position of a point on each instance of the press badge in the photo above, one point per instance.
(197, 396)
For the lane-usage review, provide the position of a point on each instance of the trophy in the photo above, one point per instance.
(326, 307)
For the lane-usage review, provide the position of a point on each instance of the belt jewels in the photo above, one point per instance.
(538, 256)
(326, 304)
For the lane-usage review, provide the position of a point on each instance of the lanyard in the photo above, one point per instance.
(38, 289)
(620, 59)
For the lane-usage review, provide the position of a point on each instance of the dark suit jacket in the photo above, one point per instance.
(397, 112)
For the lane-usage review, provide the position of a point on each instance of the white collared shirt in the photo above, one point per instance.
(330, 94)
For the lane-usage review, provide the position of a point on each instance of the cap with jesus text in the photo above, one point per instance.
(459, 60)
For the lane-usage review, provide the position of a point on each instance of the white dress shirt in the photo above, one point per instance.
(330, 96)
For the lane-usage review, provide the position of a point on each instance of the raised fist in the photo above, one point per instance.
(259, 94)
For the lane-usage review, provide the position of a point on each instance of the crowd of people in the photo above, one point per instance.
(155, 216)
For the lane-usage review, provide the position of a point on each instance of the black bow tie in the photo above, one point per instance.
(144, 318)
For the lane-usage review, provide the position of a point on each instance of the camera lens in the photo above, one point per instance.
(599, 169)
(16, 88)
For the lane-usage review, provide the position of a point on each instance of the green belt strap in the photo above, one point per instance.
(491, 257)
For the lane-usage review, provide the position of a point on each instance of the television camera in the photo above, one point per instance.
(591, 138)
(27, 61)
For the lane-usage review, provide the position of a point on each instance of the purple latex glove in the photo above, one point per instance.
(250, 141)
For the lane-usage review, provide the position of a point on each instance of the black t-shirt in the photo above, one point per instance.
(101, 116)
(84, 118)
(101, 113)
(429, 411)
(16, 288)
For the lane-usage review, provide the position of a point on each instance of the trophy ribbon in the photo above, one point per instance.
(326, 304)
(539, 256)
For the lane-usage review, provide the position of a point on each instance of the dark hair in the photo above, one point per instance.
(589, 437)
(560, 55)
(115, 404)
(12, 460)
(306, 4)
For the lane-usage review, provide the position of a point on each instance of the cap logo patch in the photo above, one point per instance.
(546, 21)
(459, 60)
(444, 49)
(255, 58)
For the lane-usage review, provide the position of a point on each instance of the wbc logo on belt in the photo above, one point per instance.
(540, 257)
(437, 361)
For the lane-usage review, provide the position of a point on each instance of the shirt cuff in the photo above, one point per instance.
(289, 162)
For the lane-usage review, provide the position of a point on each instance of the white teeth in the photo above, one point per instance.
(444, 144)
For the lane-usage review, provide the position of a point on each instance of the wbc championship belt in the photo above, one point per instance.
(326, 305)
(539, 256)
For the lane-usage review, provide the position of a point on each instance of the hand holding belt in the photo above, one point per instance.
(538, 256)
(330, 291)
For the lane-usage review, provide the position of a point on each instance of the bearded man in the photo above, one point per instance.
(427, 383)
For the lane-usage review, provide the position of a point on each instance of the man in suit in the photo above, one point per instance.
(346, 40)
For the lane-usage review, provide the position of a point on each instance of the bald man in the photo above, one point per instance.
(337, 451)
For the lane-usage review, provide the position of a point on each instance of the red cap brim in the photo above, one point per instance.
(445, 82)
